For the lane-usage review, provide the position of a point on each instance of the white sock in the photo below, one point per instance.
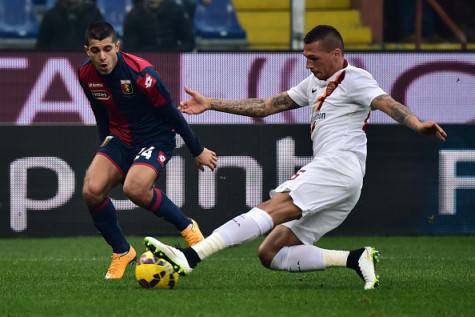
(212, 244)
(238, 230)
(245, 227)
(334, 258)
(298, 258)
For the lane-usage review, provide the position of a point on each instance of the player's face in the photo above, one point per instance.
(321, 63)
(103, 54)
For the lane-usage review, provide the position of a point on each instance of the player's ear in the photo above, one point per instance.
(86, 49)
(337, 52)
(117, 45)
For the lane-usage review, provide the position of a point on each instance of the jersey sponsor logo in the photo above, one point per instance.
(126, 87)
(316, 118)
(96, 85)
(319, 115)
(100, 94)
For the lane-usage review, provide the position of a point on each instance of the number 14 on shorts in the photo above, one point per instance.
(145, 152)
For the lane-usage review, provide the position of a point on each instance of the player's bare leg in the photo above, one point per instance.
(101, 176)
(139, 187)
(138, 184)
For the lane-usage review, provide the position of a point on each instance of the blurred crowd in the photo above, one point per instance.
(63, 26)
(167, 25)
(151, 25)
(159, 25)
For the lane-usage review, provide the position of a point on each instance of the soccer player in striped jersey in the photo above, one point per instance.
(137, 122)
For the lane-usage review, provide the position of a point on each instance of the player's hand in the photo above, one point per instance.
(196, 105)
(431, 128)
(206, 158)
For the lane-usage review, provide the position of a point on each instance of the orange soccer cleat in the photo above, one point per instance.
(192, 233)
(119, 263)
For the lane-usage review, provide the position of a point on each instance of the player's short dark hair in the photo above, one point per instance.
(327, 34)
(99, 30)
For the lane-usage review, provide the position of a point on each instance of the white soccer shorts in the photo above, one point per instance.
(326, 190)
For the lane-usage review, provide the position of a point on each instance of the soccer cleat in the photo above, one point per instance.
(367, 268)
(119, 263)
(363, 262)
(192, 233)
(173, 255)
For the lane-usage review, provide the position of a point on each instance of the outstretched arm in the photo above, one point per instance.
(252, 107)
(403, 115)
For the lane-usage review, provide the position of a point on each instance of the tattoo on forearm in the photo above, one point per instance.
(399, 112)
(254, 107)
(282, 102)
(247, 107)
(394, 109)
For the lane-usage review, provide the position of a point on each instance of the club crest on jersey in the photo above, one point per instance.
(161, 158)
(126, 87)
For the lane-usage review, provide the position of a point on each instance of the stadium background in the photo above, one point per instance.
(413, 185)
(417, 205)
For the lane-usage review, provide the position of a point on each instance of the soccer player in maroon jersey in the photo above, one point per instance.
(137, 123)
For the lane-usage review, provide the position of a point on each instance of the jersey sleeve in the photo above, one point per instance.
(299, 93)
(160, 99)
(150, 83)
(174, 116)
(363, 88)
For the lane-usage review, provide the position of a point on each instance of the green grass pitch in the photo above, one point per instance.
(420, 276)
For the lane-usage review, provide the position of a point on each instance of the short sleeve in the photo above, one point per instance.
(299, 93)
(363, 88)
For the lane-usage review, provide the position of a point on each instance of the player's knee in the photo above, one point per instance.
(266, 255)
(93, 193)
(136, 192)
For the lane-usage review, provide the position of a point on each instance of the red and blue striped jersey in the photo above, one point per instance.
(133, 104)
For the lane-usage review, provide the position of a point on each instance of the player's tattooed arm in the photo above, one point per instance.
(403, 115)
(395, 110)
(255, 107)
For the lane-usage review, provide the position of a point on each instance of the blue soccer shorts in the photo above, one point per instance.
(155, 155)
